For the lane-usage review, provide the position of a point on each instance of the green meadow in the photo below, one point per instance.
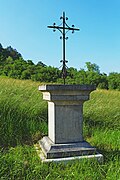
(23, 121)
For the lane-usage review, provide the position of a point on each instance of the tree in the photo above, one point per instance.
(15, 74)
(92, 78)
(1, 48)
(40, 63)
(29, 62)
(92, 67)
(9, 60)
(103, 84)
(114, 80)
(26, 74)
(81, 77)
(8, 52)
(12, 52)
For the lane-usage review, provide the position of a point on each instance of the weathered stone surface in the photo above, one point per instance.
(65, 122)
(68, 87)
(66, 92)
(98, 157)
(65, 111)
(52, 150)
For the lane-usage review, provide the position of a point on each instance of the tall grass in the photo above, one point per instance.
(22, 163)
(102, 117)
(23, 120)
(103, 110)
(23, 114)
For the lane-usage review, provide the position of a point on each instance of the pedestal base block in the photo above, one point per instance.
(65, 139)
(65, 152)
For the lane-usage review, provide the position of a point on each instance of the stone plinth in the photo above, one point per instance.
(65, 121)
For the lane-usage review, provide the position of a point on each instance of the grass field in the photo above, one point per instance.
(23, 121)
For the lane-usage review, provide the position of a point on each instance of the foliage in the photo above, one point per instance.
(114, 81)
(92, 67)
(6, 52)
(13, 65)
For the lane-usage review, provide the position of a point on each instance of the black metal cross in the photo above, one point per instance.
(63, 29)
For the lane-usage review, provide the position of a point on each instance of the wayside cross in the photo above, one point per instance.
(63, 28)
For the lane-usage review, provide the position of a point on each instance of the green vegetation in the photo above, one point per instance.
(23, 120)
(21, 112)
(13, 65)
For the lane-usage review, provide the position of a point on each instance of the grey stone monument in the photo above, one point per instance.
(65, 139)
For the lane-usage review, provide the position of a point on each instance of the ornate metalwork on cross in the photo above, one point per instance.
(63, 28)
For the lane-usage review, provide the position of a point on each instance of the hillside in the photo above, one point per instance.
(13, 65)
(23, 121)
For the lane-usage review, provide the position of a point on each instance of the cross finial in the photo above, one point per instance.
(63, 28)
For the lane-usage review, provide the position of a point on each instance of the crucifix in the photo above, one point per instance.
(63, 28)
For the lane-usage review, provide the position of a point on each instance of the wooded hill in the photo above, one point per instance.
(13, 65)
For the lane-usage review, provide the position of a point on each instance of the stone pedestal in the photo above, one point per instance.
(65, 122)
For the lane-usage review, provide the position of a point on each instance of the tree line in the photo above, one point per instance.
(13, 65)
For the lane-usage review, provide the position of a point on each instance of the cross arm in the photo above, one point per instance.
(68, 28)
